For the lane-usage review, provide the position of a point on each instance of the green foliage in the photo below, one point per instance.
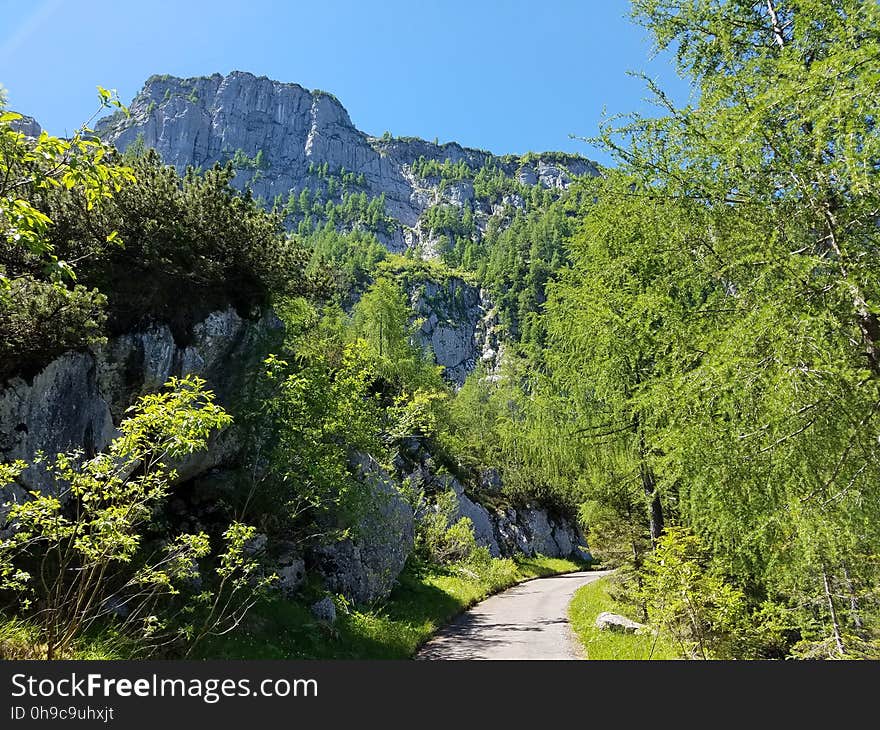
(426, 598)
(595, 598)
(312, 411)
(381, 319)
(73, 552)
(446, 170)
(441, 537)
(507, 423)
(352, 258)
(156, 235)
(43, 310)
(522, 260)
(717, 326)
(491, 184)
(689, 602)
(320, 210)
(39, 320)
(240, 161)
(194, 233)
(135, 150)
(29, 168)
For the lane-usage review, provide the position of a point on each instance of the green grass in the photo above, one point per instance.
(425, 599)
(19, 639)
(588, 603)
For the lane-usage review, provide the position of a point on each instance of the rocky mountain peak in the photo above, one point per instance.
(283, 139)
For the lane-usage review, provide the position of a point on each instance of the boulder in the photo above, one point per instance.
(365, 567)
(291, 576)
(256, 545)
(324, 610)
(484, 530)
(607, 621)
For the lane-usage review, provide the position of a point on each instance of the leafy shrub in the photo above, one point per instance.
(72, 556)
(689, 601)
(42, 310)
(494, 573)
(193, 233)
(39, 320)
(440, 537)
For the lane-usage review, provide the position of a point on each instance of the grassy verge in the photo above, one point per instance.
(426, 598)
(19, 639)
(588, 603)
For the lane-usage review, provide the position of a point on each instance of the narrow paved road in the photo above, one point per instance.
(528, 621)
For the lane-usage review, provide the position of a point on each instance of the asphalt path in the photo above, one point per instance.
(528, 621)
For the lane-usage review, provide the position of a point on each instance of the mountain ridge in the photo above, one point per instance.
(283, 138)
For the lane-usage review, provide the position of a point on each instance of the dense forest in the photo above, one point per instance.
(691, 365)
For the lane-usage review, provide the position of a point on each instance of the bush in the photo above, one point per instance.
(494, 573)
(688, 600)
(42, 310)
(136, 251)
(194, 233)
(440, 538)
(40, 320)
(73, 556)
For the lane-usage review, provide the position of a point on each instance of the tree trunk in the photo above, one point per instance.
(853, 601)
(656, 507)
(649, 484)
(835, 624)
(778, 35)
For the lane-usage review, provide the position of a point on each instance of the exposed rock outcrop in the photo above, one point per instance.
(62, 408)
(27, 126)
(458, 325)
(480, 517)
(79, 398)
(505, 531)
(324, 610)
(204, 120)
(365, 567)
(534, 531)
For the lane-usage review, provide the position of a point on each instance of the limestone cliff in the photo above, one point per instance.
(284, 139)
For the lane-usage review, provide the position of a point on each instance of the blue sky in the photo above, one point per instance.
(503, 75)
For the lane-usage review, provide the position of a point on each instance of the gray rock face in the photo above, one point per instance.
(27, 126)
(295, 133)
(201, 121)
(607, 621)
(512, 538)
(62, 408)
(75, 402)
(365, 568)
(291, 577)
(484, 530)
(506, 532)
(458, 326)
(490, 481)
(533, 532)
(324, 610)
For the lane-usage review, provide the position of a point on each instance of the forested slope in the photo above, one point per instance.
(387, 357)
